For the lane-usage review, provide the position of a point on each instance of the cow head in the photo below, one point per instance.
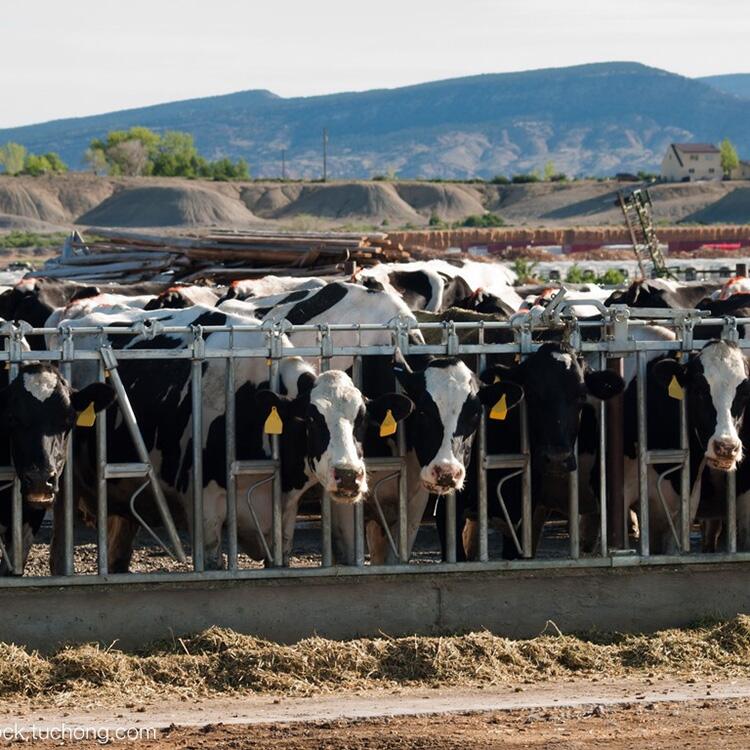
(717, 387)
(335, 416)
(557, 384)
(40, 409)
(447, 408)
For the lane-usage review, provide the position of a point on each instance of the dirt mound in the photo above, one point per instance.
(25, 224)
(373, 202)
(162, 206)
(31, 201)
(267, 200)
(733, 208)
(448, 202)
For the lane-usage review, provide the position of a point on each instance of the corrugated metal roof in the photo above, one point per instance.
(696, 148)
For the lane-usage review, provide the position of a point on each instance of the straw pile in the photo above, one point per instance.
(217, 661)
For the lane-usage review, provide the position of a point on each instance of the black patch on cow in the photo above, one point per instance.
(85, 292)
(414, 286)
(210, 318)
(261, 312)
(321, 301)
(318, 435)
(468, 418)
(295, 296)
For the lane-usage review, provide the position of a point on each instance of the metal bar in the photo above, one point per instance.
(358, 516)
(450, 522)
(482, 511)
(731, 478)
(643, 504)
(573, 513)
(603, 529)
(685, 511)
(68, 499)
(617, 512)
(325, 523)
(230, 424)
(197, 404)
(101, 488)
(528, 541)
(16, 502)
(278, 513)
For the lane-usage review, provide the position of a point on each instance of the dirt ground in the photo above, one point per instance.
(652, 717)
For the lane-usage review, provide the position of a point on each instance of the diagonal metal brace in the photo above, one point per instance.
(110, 364)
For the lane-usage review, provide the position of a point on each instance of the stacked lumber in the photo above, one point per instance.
(128, 257)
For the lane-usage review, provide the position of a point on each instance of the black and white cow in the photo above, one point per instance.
(322, 418)
(38, 411)
(661, 293)
(446, 393)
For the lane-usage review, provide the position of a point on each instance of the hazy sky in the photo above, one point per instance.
(78, 57)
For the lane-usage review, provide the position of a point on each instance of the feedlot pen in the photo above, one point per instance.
(620, 584)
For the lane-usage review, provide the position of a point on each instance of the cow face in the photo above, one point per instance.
(335, 415)
(557, 384)
(40, 410)
(717, 387)
(447, 408)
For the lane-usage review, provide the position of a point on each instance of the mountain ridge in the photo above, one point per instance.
(597, 119)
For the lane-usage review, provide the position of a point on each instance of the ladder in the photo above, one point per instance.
(636, 208)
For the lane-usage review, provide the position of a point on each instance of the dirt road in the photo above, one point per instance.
(630, 714)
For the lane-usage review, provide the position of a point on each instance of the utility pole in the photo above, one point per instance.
(325, 154)
(283, 164)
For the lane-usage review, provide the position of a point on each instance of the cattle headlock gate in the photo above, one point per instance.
(606, 339)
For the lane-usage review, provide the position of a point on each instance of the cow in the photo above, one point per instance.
(267, 286)
(321, 417)
(180, 297)
(661, 293)
(443, 387)
(436, 285)
(39, 409)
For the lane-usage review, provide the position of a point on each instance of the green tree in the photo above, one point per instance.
(35, 165)
(176, 155)
(96, 158)
(549, 171)
(12, 156)
(729, 158)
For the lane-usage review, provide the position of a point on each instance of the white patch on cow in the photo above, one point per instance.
(41, 385)
(725, 370)
(339, 401)
(566, 359)
(449, 387)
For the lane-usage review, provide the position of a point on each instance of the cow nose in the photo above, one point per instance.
(36, 482)
(726, 448)
(446, 475)
(348, 478)
(566, 460)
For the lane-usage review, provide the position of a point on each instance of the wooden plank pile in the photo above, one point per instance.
(222, 255)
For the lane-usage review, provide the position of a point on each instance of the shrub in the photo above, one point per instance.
(483, 221)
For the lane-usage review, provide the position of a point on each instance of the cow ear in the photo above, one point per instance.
(501, 373)
(604, 384)
(399, 406)
(412, 382)
(305, 383)
(490, 395)
(101, 395)
(665, 369)
(266, 400)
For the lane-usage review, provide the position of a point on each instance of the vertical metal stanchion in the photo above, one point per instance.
(643, 505)
(197, 404)
(573, 514)
(685, 511)
(450, 524)
(277, 510)
(482, 516)
(231, 455)
(403, 487)
(325, 502)
(615, 460)
(101, 487)
(527, 541)
(358, 516)
(17, 504)
(68, 499)
(603, 530)
(731, 512)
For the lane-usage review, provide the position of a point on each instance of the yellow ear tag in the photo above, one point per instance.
(87, 417)
(273, 425)
(675, 389)
(500, 409)
(388, 425)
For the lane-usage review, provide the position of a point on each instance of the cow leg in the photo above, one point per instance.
(377, 542)
(121, 532)
(711, 530)
(589, 532)
(214, 518)
(416, 504)
(538, 519)
(470, 539)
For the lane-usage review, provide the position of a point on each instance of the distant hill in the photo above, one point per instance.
(737, 84)
(591, 119)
